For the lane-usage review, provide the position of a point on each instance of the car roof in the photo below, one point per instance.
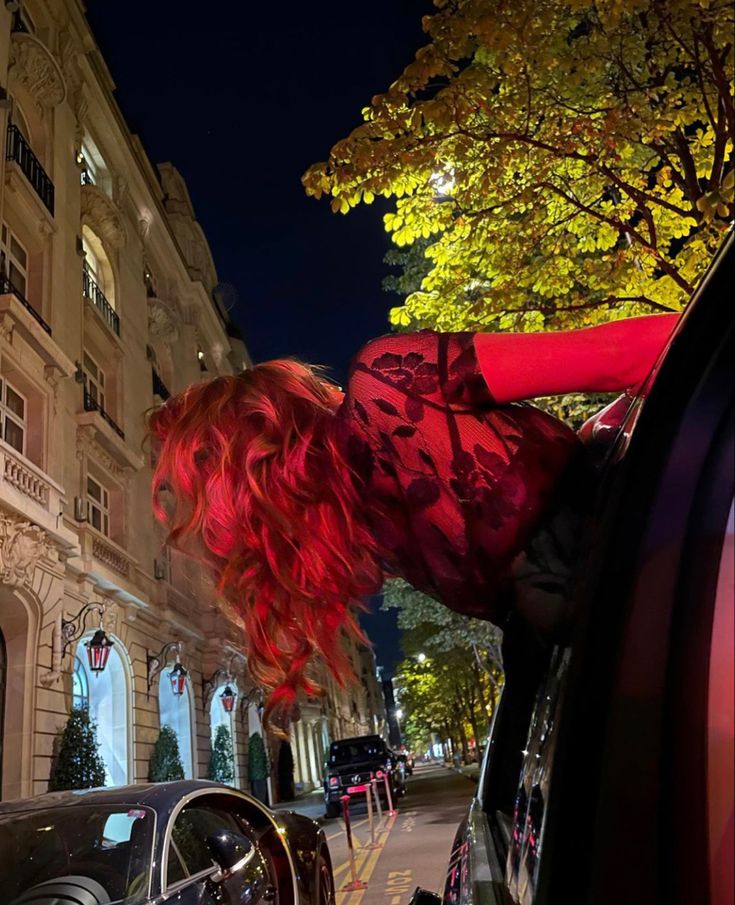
(157, 795)
(357, 738)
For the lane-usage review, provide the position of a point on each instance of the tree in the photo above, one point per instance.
(286, 787)
(166, 763)
(571, 161)
(431, 628)
(222, 761)
(77, 764)
(258, 770)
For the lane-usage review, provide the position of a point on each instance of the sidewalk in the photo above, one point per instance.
(311, 804)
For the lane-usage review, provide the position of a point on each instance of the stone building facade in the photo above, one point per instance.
(108, 303)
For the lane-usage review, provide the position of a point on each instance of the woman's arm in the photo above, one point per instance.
(610, 358)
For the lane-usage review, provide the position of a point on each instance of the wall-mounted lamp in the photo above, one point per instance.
(79, 375)
(228, 698)
(98, 646)
(177, 677)
(159, 570)
(156, 663)
(221, 677)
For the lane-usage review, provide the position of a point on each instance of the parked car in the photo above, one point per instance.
(353, 762)
(192, 842)
(608, 775)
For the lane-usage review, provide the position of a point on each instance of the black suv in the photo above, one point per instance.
(353, 762)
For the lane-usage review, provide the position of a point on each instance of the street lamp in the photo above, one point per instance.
(228, 698)
(98, 651)
(177, 677)
(421, 658)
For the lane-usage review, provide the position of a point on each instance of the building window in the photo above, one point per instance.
(79, 686)
(98, 506)
(109, 708)
(93, 261)
(15, 260)
(96, 382)
(220, 717)
(13, 413)
(175, 711)
(89, 175)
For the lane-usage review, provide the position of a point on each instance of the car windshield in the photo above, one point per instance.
(352, 752)
(110, 846)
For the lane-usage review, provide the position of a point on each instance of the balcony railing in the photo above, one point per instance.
(159, 387)
(20, 151)
(91, 405)
(6, 287)
(91, 291)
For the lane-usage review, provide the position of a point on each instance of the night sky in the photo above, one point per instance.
(242, 98)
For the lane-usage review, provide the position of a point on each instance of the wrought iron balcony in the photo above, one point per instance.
(159, 387)
(91, 405)
(19, 150)
(7, 287)
(91, 291)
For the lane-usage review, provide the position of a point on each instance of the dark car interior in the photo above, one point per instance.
(619, 713)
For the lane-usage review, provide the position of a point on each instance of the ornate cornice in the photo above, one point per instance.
(34, 67)
(22, 546)
(87, 445)
(103, 216)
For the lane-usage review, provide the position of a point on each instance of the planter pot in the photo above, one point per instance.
(260, 789)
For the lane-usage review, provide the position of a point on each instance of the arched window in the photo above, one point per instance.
(109, 707)
(79, 686)
(97, 265)
(175, 711)
(220, 717)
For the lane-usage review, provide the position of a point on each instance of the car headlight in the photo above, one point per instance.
(333, 782)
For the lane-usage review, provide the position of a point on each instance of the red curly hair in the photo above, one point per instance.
(259, 479)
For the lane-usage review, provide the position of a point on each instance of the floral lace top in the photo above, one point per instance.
(453, 484)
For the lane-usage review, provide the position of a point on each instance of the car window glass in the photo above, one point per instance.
(533, 789)
(346, 753)
(109, 844)
(191, 829)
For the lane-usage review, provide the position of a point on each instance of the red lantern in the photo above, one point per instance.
(98, 651)
(228, 698)
(178, 679)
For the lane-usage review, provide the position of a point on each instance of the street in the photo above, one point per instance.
(414, 844)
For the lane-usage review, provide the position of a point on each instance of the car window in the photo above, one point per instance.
(188, 848)
(109, 844)
(720, 729)
(527, 830)
(356, 751)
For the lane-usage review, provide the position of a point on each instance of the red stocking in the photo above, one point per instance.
(610, 358)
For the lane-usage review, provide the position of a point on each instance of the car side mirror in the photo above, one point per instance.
(231, 852)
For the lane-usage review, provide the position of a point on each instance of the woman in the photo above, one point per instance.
(301, 498)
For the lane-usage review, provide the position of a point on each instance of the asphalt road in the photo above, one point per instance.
(413, 845)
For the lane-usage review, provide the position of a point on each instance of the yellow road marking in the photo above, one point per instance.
(365, 863)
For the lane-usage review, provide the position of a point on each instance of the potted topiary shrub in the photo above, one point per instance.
(286, 788)
(258, 767)
(222, 762)
(166, 763)
(77, 762)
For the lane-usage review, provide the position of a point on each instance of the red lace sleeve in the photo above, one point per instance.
(427, 368)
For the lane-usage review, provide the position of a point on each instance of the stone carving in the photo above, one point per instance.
(88, 446)
(103, 216)
(33, 66)
(163, 320)
(22, 546)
